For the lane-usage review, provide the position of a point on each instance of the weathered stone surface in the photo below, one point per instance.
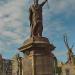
(38, 63)
(17, 65)
(38, 58)
(41, 42)
(27, 65)
(14, 66)
(68, 69)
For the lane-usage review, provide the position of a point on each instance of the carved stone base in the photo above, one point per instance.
(38, 57)
(38, 42)
(38, 64)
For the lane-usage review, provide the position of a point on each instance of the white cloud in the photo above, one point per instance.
(10, 15)
(11, 24)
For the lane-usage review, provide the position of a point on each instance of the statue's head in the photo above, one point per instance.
(36, 2)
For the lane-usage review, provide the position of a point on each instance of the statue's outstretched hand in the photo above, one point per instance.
(46, 0)
(43, 2)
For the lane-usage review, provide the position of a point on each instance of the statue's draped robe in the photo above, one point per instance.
(36, 20)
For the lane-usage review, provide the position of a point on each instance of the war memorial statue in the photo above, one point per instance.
(36, 18)
(39, 59)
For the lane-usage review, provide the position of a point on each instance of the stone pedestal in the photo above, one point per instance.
(38, 57)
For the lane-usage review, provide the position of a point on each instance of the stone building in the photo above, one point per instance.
(1, 64)
(11, 67)
(17, 65)
(14, 66)
(5, 66)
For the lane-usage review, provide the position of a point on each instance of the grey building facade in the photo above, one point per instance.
(5, 66)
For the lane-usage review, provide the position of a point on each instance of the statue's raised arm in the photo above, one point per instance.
(42, 4)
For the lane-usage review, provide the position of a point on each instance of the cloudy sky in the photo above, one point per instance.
(58, 16)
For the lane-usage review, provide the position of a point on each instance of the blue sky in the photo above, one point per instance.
(58, 18)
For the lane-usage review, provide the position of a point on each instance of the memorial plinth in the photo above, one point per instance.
(33, 44)
(38, 55)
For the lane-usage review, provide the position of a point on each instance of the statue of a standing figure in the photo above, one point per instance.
(36, 18)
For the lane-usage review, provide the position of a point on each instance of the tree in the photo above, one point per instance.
(70, 53)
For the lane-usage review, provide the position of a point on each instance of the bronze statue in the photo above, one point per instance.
(36, 18)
